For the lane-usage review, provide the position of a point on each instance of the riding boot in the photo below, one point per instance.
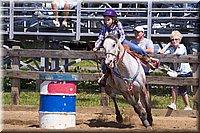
(102, 80)
(155, 62)
(152, 65)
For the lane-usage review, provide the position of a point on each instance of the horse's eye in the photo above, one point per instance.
(113, 45)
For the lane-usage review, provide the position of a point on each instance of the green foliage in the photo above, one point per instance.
(29, 98)
(91, 98)
(89, 63)
(158, 73)
(79, 69)
(87, 84)
(6, 84)
(161, 102)
(6, 98)
(88, 99)
(25, 84)
(160, 90)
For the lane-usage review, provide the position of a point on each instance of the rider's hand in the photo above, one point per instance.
(95, 49)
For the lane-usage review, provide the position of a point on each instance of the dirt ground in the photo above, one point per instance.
(99, 119)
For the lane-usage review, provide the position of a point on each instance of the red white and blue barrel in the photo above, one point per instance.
(57, 101)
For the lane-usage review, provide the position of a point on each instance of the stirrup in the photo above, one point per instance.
(102, 81)
(99, 80)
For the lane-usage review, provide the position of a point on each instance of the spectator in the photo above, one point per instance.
(183, 69)
(62, 5)
(114, 26)
(144, 43)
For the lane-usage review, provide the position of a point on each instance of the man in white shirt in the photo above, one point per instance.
(144, 43)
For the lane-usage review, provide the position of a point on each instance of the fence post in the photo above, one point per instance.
(15, 82)
(195, 68)
(104, 98)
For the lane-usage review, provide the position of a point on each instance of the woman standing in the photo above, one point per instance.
(183, 69)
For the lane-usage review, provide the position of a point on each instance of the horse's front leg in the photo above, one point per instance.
(119, 117)
(138, 110)
(147, 99)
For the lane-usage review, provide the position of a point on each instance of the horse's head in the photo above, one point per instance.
(112, 49)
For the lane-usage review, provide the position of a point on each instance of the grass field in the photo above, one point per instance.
(92, 98)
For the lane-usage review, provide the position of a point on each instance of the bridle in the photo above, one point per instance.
(117, 58)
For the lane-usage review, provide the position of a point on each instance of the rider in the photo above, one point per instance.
(114, 26)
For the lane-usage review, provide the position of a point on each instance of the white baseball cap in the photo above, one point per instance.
(138, 28)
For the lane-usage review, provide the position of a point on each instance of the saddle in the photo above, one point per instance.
(151, 62)
(135, 55)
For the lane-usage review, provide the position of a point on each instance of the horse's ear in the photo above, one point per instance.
(118, 42)
(106, 34)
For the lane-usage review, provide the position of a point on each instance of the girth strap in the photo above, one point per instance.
(129, 81)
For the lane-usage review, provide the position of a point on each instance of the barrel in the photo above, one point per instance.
(57, 101)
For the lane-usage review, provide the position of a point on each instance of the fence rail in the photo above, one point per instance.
(158, 80)
(17, 54)
(159, 18)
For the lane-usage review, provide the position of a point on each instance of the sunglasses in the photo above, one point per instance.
(174, 39)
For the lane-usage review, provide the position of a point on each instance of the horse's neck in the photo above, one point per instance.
(127, 64)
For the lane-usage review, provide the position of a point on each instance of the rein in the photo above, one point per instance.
(120, 58)
(111, 54)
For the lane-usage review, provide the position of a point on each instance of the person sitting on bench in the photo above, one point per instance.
(62, 5)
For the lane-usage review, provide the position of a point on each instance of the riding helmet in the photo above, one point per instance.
(110, 12)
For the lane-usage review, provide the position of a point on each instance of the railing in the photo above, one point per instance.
(16, 73)
(21, 18)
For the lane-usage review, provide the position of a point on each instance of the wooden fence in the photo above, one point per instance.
(16, 54)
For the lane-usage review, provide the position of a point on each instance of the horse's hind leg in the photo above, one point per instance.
(117, 112)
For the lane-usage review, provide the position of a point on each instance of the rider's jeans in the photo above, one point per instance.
(135, 48)
(103, 67)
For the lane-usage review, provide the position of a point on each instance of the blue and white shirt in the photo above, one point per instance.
(183, 68)
(117, 29)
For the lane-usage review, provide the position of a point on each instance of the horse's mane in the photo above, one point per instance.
(112, 36)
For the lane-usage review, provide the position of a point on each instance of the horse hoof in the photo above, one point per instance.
(150, 120)
(149, 127)
(119, 118)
